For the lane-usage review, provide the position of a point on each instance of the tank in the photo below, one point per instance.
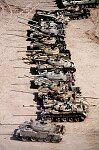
(86, 3)
(38, 58)
(45, 17)
(49, 49)
(61, 62)
(40, 81)
(40, 68)
(55, 92)
(76, 12)
(51, 64)
(58, 75)
(38, 52)
(73, 10)
(47, 78)
(70, 111)
(42, 131)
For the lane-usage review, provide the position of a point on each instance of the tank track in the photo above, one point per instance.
(73, 117)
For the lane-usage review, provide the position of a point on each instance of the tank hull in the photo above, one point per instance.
(36, 136)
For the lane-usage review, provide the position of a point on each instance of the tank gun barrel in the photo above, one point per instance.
(87, 97)
(9, 124)
(43, 11)
(18, 35)
(25, 23)
(29, 51)
(18, 115)
(31, 105)
(22, 92)
(36, 105)
(28, 19)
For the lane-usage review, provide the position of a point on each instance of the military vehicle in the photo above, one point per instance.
(40, 68)
(45, 32)
(81, 3)
(46, 24)
(40, 130)
(73, 110)
(35, 50)
(40, 81)
(56, 13)
(44, 17)
(66, 64)
(37, 58)
(42, 55)
(46, 78)
(60, 92)
(57, 75)
(52, 64)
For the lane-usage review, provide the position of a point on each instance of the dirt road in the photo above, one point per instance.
(85, 54)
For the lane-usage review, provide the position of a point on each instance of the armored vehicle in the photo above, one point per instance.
(52, 63)
(40, 81)
(56, 92)
(39, 131)
(46, 78)
(50, 51)
(85, 3)
(66, 64)
(36, 52)
(44, 17)
(58, 75)
(71, 111)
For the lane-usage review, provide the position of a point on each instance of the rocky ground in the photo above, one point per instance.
(82, 40)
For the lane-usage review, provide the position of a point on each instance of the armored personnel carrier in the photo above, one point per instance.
(39, 131)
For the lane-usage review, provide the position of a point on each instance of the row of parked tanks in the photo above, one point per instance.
(52, 71)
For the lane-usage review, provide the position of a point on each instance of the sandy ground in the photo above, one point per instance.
(85, 54)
